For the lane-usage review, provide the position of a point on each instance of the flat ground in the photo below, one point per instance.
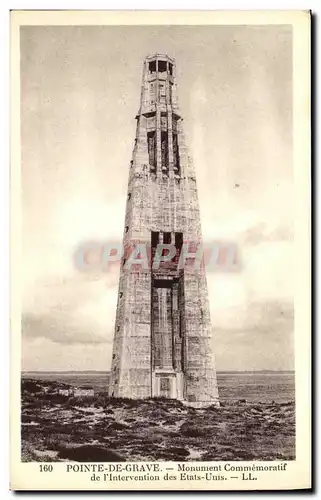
(102, 429)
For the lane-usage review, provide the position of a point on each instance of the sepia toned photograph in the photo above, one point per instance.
(158, 273)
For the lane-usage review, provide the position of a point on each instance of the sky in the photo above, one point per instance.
(80, 92)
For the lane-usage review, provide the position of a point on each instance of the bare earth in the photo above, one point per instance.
(102, 429)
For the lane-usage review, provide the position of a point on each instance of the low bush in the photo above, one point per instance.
(90, 453)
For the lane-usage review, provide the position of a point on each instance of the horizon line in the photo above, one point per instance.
(108, 371)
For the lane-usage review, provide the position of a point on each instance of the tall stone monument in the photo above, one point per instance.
(162, 342)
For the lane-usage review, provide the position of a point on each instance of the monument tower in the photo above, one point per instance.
(162, 342)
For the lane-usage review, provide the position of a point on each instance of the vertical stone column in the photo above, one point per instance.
(163, 330)
(169, 127)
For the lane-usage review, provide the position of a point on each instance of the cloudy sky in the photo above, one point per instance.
(80, 91)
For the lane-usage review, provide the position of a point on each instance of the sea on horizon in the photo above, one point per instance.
(264, 386)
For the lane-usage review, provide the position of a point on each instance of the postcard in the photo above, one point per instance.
(160, 250)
